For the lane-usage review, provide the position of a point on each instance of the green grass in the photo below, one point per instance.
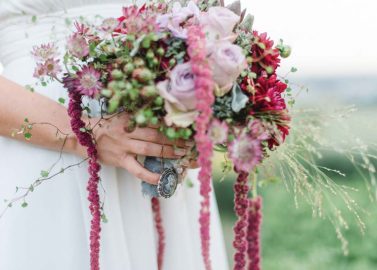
(292, 239)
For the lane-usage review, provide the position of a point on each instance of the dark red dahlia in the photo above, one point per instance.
(266, 58)
(281, 123)
(268, 102)
(267, 94)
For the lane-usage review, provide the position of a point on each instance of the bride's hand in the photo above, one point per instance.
(119, 148)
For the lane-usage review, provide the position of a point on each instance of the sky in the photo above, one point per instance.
(328, 37)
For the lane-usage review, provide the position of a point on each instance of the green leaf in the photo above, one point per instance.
(24, 205)
(61, 100)
(27, 135)
(44, 173)
(104, 218)
(189, 183)
(34, 19)
(293, 69)
(44, 84)
(30, 88)
(26, 120)
(74, 68)
(68, 21)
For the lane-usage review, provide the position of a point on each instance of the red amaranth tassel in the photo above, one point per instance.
(204, 93)
(160, 231)
(241, 203)
(85, 139)
(253, 233)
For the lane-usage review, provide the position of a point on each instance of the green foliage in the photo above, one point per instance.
(293, 238)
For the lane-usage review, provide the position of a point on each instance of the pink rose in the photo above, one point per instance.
(175, 21)
(179, 95)
(227, 61)
(219, 23)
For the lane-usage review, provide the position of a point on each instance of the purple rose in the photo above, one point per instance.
(175, 20)
(179, 95)
(228, 61)
(219, 23)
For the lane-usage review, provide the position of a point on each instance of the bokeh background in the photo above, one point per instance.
(334, 49)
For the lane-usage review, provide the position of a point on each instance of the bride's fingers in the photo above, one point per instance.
(154, 150)
(155, 136)
(130, 163)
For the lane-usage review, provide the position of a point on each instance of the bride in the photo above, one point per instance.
(53, 231)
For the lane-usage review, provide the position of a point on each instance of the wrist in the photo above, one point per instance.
(74, 146)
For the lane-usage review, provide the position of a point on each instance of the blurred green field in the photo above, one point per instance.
(293, 239)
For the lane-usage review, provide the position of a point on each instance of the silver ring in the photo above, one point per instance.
(167, 183)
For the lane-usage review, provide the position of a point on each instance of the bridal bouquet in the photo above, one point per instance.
(197, 71)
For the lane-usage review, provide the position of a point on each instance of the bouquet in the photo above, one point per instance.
(197, 71)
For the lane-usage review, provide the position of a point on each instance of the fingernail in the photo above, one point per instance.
(189, 143)
(179, 151)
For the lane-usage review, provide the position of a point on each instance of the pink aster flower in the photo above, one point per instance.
(40, 71)
(49, 68)
(78, 46)
(246, 152)
(45, 51)
(109, 25)
(52, 67)
(88, 81)
(218, 131)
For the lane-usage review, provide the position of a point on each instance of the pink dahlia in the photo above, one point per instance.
(45, 52)
(88, 81)
(265, 56)
(78, 46)
(246, 152)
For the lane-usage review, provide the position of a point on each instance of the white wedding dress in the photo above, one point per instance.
(52, 232)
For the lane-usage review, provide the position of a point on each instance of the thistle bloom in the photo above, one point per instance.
(44, 52)
(246, 152)
(78, 46)
(88, 81)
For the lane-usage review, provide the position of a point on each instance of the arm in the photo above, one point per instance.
(16, 104)
(115, 146)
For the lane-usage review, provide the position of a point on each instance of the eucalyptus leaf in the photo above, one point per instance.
(137, 44)
(235, 7)
(247, 23)
(239, 99)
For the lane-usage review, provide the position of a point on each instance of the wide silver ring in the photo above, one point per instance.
(167, 183)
